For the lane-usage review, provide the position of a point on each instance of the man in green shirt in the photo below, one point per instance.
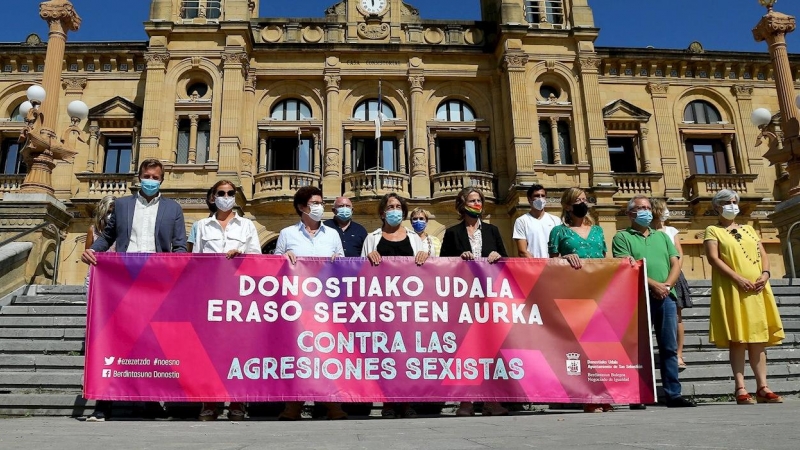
(663, 269)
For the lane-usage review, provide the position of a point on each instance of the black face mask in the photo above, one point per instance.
(580, 210)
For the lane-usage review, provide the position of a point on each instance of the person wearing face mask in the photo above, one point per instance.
(662, 262)
(351, 233)
(470, 239)
(684, 296)
(532, 230)
(309, 237)
(229, 233)
(212, 208)
(419, 221)
(744, 315)
(143, 223)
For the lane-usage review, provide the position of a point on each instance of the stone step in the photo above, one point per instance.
(775, 355)
(46, 321)
(721, 372)
(53, 404)
(700, 341)
(42, 333)
(780, 300)
(49, 300)
(691, 326)
(27, 381)
(43, 310)
(775, 282)
(715, 389)
(33, 363)
(702, 312)
(39, 346)
(61, 289)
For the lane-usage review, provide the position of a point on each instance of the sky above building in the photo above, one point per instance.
(716, 24)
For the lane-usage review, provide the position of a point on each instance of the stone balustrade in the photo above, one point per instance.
(282, 184)
(10, 183)
(98, 185)
(448, 184)
(704, 186)
(630, 184)
(375, 184)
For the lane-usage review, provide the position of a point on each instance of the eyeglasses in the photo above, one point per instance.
(223, 193)
(418, 219)
(735, 234)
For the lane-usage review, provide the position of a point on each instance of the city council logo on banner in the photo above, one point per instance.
(573, 363)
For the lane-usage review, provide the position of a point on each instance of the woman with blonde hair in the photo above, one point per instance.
(419, 221)
(102, 212)
(578, 237)
(744, 315)
(684, 297)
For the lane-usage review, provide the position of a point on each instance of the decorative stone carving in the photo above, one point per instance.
(271, 34)
(331, 162)
(338, 9)
(373, 31)
(154, 59)
(418, 163)
(250, 81)
(407, 11)
(589, 63)
(658, 88)
(33, 39)
(312, 34)
(515, 61)
(73, 84)
(742, 91)
(61, 11)
(473, 36)
(332, 82)
(416, 82)
(236, 58)
(772, 24)
(433, 35)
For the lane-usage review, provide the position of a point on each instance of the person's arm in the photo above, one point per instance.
(620, 247)
(280, 246)
(674, 271)
(522, 248)
(252, 246)
(89, 238)
(449, 247)
(179, 232)
(711, 245)
(679, 248)
(521, 239)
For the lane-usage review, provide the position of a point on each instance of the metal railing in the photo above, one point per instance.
(793, 273)
(56, 232)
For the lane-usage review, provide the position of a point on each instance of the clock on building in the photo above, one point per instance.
(373, 7)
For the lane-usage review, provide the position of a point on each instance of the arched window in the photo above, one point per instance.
(291, 109)
(701, 112)
(16, 116)
(368, 110)
(455, 111)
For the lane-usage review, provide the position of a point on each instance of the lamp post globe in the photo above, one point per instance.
(78, 110)
(761, 117)
(25, 107)
(36, 94)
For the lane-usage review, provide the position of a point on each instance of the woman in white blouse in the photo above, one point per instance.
(229, 233)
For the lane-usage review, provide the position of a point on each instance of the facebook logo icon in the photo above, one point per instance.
(106, 373)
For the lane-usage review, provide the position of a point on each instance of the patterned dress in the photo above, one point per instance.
(565, 241)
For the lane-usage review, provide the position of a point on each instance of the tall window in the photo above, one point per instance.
(701, 112)
(190, 9)
(455, 111)
(11, 158)
(546, 141)
(706, 156)
(562, 144)
(368, 110)
(456, 155)
(213, 9)
(290, 153)
(622, 155)
(184, 130)
(118, 154)
(202, 141)
(367, 155)
(550, 11)
(291, 109)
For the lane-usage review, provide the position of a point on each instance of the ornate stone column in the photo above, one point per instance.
(94, 137)
(193, 119)
(235, 65)
(432, 168)
(401, 148)
(315, 154)
(643, 132)
(598, 143)
(348, 153)
(728, 141)
(514, 63)
(250, 133)
(420, 178)
(153, 113)
(332, 173)
(262, 155)
(670, 160)
(554, 140)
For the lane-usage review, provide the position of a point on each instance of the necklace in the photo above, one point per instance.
(738, 236)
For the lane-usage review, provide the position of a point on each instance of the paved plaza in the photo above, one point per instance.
(709, 426)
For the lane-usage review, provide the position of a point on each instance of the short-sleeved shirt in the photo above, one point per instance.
(352, 238)
(565, 241)
(656, 249)
(295, 238)
(536, 232)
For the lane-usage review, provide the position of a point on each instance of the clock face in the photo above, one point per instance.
(373, 6)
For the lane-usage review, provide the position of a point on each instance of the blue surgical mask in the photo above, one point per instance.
(344, 213)
(419, 225)
(150, 187)
(394, 217)
(644, 218)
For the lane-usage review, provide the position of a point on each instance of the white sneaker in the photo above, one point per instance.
(96, 416)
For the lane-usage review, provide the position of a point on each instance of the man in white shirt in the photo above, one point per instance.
(532, 230)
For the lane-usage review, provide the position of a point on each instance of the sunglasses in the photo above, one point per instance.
(735, 233)
(229, 193)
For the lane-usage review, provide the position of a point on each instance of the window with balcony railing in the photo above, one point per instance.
(11, 158)
(622, 154)
(119, 151)
(291, 109)
(459, 154)
(368, 155)
(289, 153)
(544, 11)
(706, 156)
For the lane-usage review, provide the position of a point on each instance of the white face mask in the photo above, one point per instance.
(730, 211)
(540, 203)
(316, 212)
(665, 215)
(225, 203)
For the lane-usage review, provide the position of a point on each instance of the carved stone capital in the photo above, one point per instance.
(589, 63)
(658, 88)
(741, 91)
(416, 82)
(60, 11)
(774, 25)
(644, 131)
(236, 58)
(73, 84)
(94, 131)
(332, 82)
(250, 81)
(156, 59)
(194, 118)
(515, 61)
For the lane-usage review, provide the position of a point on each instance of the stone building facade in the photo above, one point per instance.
(522, 96)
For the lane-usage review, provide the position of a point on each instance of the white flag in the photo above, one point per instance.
(379, 118)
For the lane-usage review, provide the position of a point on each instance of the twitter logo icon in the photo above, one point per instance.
(109, 360)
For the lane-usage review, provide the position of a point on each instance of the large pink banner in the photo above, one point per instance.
(174, 327)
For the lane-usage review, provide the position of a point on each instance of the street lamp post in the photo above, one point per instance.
(42, 145)
(773, 28)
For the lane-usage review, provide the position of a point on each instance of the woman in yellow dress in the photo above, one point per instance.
(744, 316)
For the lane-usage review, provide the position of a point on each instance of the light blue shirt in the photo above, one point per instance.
(325, 242)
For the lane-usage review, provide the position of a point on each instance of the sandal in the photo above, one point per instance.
(493, 409)
(767, 397)
(681, 364)
(409, 413)
(465, 410)
(743, 399)
(388, 414)
(207, 415)
(592, 408)
(236, 412)
(607, 407)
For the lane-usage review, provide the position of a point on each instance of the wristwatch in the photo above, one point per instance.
(769, 275)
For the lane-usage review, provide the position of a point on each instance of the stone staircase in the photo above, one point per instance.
(42, 331)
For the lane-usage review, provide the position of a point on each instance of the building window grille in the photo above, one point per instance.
(544, 11)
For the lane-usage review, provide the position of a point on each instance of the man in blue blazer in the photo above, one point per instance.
(146, 222)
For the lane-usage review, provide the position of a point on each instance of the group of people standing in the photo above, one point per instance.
(744, 315)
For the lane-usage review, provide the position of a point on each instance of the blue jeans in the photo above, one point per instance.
(664, 315)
